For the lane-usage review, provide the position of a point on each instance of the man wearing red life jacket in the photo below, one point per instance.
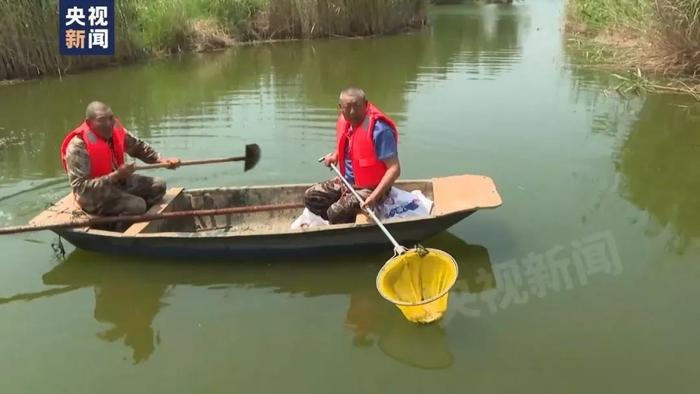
(93, 157)
(366, 154)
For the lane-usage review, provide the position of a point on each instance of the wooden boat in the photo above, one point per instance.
(269, 233)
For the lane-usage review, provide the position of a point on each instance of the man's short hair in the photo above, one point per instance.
(94, 107)
(353, 92)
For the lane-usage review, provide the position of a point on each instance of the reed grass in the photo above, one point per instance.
(29, 42)
(679, 27)
(660, 37)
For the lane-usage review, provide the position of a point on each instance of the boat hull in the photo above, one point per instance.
(345, 239)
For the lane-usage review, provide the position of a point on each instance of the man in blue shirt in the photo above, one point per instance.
(367, 138)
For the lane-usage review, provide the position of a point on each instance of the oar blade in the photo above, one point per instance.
(252, 156)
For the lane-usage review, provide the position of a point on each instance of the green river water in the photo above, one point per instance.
(583, 281)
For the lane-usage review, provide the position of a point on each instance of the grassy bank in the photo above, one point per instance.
(29, 42)
(651, 36)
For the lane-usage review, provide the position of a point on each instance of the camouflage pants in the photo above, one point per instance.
(332, 201)
(132, 197)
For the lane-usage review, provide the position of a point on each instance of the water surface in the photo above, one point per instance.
(492, 90)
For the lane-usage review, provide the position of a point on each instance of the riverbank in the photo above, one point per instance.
(660, 38)
(151, 28)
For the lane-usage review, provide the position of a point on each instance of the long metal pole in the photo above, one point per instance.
(397, 248)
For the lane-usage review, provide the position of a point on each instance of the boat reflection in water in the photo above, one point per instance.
(130, 293)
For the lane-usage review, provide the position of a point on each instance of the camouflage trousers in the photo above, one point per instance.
(131, 197)
(333, 201)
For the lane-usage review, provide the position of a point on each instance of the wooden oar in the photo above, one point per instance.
(147, 217)
(251, 158)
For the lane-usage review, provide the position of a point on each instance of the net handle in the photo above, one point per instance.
(398, 249)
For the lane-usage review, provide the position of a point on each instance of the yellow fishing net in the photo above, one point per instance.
(418, 282)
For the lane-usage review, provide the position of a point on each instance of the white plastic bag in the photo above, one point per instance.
(398, 204)
(402, 204)
(308, 219)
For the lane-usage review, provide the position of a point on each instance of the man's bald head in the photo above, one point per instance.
(100, 118)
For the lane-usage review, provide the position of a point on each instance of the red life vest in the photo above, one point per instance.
(102, 157)
(367, 167)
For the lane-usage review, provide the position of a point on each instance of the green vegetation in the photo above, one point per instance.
(657, 36)
(599, 14)
(329, 18)
(28, 45)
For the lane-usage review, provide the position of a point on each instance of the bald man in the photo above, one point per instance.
(93, 157)
(367, 156)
